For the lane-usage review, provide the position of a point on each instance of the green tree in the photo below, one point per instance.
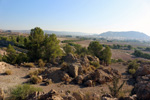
(21, 57)
(106, 56)
(35, 46)
(68, 49)
(95, 48)
(51, 47)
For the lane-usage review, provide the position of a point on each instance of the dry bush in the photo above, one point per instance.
(8, 72)
(48, 82)
(36, 72)
(35, 79)
(95, 64)
(41, 63)
(30, 65)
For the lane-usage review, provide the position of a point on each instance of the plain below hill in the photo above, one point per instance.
(125, 35)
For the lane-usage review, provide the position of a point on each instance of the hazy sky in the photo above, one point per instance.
(91, 16)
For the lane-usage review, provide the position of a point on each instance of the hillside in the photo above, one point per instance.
(125, 35)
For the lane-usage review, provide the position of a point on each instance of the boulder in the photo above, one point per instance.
(88, 83)
(107, 97)
(79, 79)
(93, 58)
(133, 97)
(40, 77)
(74, 69)
(143, 90)
(84, 61)
(102, 77)
(142, 71)
(52, 95)
(70, 58)
(142, 87)
(65, 77)
(78, 96)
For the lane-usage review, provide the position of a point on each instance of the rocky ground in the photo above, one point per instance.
(74, 75)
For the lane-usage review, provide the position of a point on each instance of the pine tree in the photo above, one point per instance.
(35, 46)
(95, 48)
(106, 56)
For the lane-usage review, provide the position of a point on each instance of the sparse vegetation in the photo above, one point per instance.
(30, 65)
(116, 60)
(95, 64)
(36, 72)
(41, 63)
(35, 79)
(21, 92)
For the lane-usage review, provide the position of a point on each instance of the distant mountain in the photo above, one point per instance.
(125, 35)
(56, 32)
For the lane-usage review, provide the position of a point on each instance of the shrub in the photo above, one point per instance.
(8, 72)
(30, 65)
(95, 64)
(21, 92)
(35, 79)
(41, 63)
(120, 60)
(36, 72)
(132, 67)
(113, 60)
(48, 82)
(132, 71)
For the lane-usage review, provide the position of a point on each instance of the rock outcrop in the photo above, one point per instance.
(78, 70)
(142, 87)
(102, 75)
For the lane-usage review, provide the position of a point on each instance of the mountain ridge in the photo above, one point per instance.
(125, 35)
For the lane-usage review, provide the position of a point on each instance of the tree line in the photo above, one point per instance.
(46, 47)
(139, 53)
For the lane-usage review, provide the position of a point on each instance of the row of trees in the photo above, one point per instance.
(125, 47)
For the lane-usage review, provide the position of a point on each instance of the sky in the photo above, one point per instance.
(90, 16)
